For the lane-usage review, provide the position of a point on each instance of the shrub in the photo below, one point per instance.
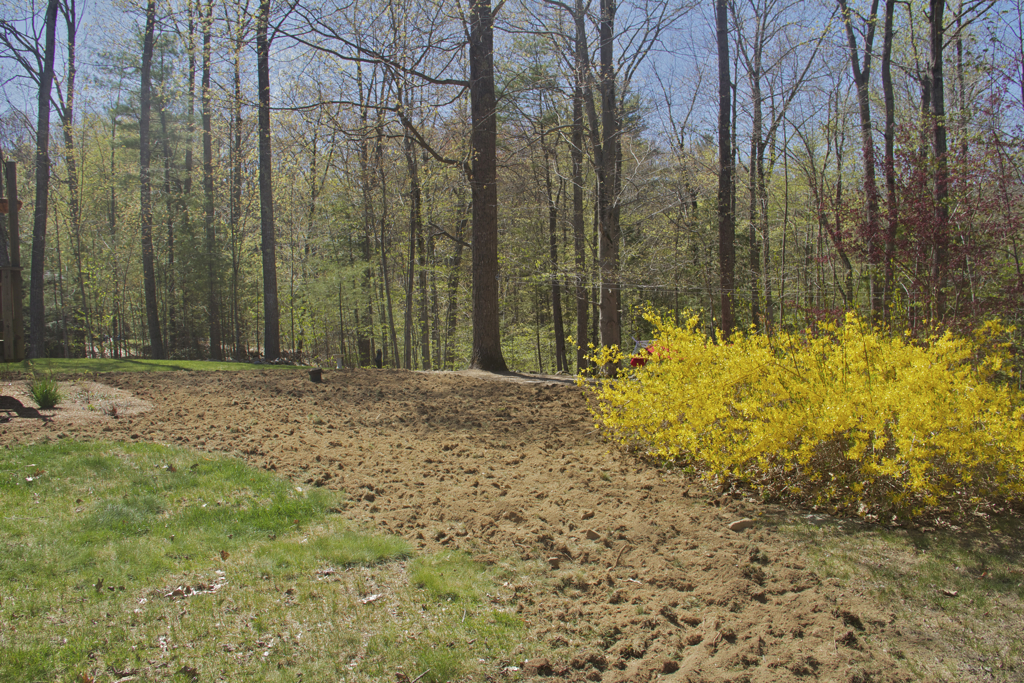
(845, 417)
(45, 392)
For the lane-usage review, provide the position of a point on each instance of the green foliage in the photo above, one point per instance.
(845, 416)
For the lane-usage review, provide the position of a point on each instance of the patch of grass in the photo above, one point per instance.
(449, 576)
(45, 392)
(458, 601)
(146, 561)
(956, 595)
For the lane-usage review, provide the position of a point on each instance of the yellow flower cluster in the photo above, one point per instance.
(846, 417)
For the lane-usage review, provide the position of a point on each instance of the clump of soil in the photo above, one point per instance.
(643, 578)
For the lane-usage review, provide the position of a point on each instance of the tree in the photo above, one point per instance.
(726, 218)
(862, 81)
(940, 245)
(66, 107)
(766, 51)
(579, 63)
(608, 182)
(890, 161)
(36, 306)
(146, 201)
(268, 244)
(484, 183)
(213, 297)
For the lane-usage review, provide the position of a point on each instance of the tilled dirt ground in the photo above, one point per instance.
(644, 579)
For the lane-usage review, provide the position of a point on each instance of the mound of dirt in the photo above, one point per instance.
(645, 577)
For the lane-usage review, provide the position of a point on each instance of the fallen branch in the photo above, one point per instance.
(619, 556)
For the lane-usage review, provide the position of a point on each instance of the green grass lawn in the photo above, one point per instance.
(167, 564)
(90, 365)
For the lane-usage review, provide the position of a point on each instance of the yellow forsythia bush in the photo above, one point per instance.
(846, 418)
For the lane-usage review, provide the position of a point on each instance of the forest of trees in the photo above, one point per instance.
(499, 183)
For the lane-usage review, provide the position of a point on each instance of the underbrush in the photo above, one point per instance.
(845, 417)
(85, 366)
(140, 562)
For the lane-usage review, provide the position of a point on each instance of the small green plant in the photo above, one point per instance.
(45, 391)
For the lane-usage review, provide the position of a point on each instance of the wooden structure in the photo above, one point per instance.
(12, 334)
(12, 327)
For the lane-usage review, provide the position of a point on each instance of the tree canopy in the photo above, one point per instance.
(494, 182)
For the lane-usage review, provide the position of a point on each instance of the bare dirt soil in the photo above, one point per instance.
(643, 579)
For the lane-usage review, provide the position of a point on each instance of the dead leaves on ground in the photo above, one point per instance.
(185, 591)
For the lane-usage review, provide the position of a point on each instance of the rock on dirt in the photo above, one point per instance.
(741, 524)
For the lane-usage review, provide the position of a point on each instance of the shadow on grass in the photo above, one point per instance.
(955, 593)
(976, 545)
(136, 364)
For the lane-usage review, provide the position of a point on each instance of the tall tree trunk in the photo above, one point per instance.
(385, 272)
(58, 288)
(177, 333)
(892, 209)
(414, 218)
(561, 363)
(608, 201)
(578, 227)
(421, 260)
(389, 311)
(752, 238)
(235, 200)
(762, 203)
(785, 225)
(272, 335)
(212, 293)
(36, 306)
(726, 217)
(364, 333)
(837, 232)
(112, 228)
(191, 48)
(169, 204)
(484, 176)
(435, 304)
(71, 159)
(940, 241)
(146, 201)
